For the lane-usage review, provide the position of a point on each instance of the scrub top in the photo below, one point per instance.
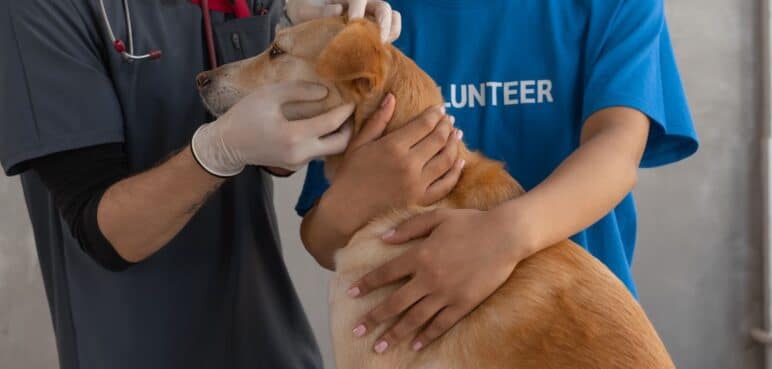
(218, 295)
(522, 77)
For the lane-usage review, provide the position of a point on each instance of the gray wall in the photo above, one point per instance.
(698, 262)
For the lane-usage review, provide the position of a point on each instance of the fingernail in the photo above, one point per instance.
(459, 134)
(452, 120)
(381, 347)
(360, 330)
(462, 163)
(443, 109)
(389, 234)
(417, 346)
(386, 100)
(353, 292)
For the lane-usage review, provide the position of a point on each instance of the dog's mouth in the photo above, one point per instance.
(220, 99)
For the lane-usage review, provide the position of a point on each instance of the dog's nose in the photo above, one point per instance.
(202, 80)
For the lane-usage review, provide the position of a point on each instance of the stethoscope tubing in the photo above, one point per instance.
(118, 44)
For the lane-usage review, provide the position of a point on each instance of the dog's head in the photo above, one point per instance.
(349, 59)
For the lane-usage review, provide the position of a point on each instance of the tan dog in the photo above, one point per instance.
(560, 308)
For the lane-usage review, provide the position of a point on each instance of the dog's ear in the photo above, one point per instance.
(355, 58)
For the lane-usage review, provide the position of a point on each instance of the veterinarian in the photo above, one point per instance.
(573, 96)
(149, 261)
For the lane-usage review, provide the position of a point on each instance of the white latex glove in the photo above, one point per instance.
(255, 132)
(390, 21)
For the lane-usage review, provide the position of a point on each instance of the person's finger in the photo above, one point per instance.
(308, 12)
(325, 123)
(394, 305)
(415, 318)
(432, 144)
(418, 226)
(396, 26)
(443, 162)
(442, 187)
(297, 91)
(356, 8)
(334, 143)
(388, 273)
(383, 16)
(444, 321)
(376, 124)
(415, 131)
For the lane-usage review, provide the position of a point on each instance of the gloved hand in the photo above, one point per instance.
(390, 21)
(255, 132)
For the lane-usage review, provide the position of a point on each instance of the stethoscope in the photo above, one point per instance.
(118, 44)
(240, 8)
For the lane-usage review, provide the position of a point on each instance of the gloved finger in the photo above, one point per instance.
(308, 12)
(383, 16)
(334, 143)
(379, 9)
(376, 124)
(396, 26)
(356, 8)
(326, 123)
(295, 91)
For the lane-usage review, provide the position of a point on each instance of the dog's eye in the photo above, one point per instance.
(275, 51)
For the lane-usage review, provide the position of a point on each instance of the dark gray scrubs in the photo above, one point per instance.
(218, 295)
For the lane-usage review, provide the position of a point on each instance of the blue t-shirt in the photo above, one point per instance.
(522, 77)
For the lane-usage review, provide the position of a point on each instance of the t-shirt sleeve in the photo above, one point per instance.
(630, 63)
(313, 188)
(55, 92)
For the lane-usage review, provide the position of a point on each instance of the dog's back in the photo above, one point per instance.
(561, 308)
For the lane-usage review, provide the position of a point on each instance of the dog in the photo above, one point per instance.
(560, 308)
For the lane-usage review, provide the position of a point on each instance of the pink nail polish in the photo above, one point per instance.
(452, 120)
(389, 234)
(459, 134)
(360, 330)
(386, 100)
(353, 292)
(417, 346)
(443, 109)
(381, 347)
(462, 163)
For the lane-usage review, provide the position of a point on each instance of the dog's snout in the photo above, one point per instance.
(203, 80)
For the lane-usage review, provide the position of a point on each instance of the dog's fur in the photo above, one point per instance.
(560, 308)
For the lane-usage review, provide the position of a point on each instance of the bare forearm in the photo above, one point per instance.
(586, 186)
(141, 214)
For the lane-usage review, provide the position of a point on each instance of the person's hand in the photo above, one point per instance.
(416, 164)
(389, 21)
(256, 132)
(466, 256)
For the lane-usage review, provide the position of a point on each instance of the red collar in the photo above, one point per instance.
(237, 7)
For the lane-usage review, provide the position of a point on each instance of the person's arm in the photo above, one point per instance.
(416, 164)
(142, 213)
(587, 185)
(120, 219)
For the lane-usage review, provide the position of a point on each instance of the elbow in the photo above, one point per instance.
(632, 177)
(325, 261)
